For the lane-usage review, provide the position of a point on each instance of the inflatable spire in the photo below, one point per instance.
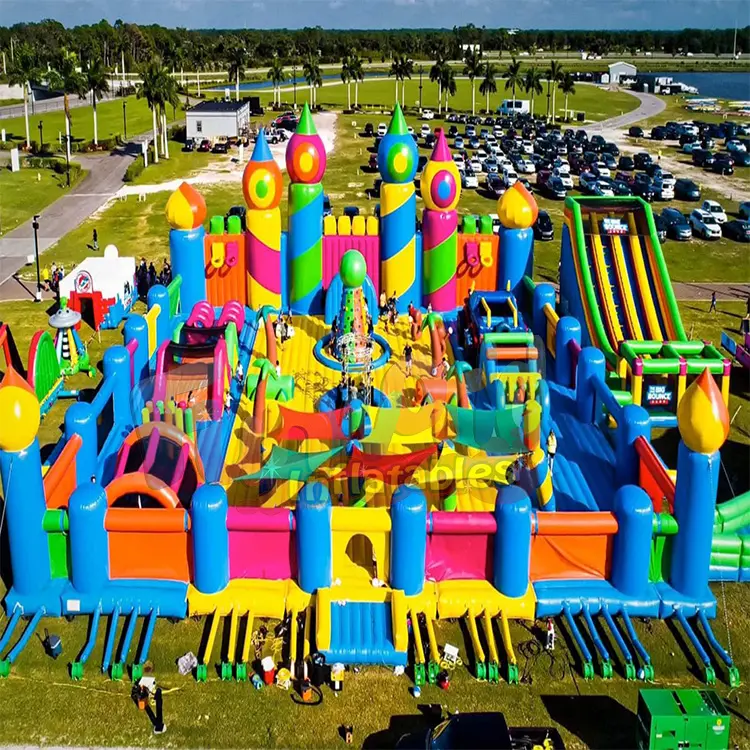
(397, 161)
(441, 190)
(352, 317)
(262, 185)
(306, 164)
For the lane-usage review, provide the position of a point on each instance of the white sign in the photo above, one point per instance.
(15, 163)
(2, 135)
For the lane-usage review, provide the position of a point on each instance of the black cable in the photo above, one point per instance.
(301, 702)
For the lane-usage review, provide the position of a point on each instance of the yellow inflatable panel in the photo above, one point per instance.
(359, 226)
(262, 598)
(458, 598)
(345, 226)
(329, 224)
(373, 226)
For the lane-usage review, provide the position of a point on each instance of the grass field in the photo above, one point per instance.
(38, 701)
(29, 191)
(110, 121)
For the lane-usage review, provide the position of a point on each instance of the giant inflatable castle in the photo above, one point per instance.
(260, 445)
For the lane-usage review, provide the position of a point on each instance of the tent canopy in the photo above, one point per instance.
(286, 464)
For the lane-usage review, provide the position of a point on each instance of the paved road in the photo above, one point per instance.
(699, 290)
(649, 106)
(103, 180)
(42, 106)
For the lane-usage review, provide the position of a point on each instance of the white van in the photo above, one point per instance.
(514, 107)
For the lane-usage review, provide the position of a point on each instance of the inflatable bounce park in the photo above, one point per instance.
(364, 425)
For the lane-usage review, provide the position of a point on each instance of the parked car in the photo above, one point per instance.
(611, 148)
(220, 147)
(543, 228)
(382, 129)
(458, 160)
(564, 177)
(688, 148)
(470, 131)
(702, 157)
(635, 131)
(429, 141)
(373, 162)
(490, 165)
(524, 165)
(704, 224)
(189, 145)
(658, 133)
(205, 146)
(715, 209)
(652, 169)
(627, 177)
(643, 188)
(603, 188)
(428, 114)
(587, 181)
(686, 190)
(327, 210)
(620, 188)
(469, 180)
(735, 145)
(661, 228)
(495, 184)
(452, 131)
(678, 227)
(425, 130)
(744, 210)
(608, 160)
(421, 162)
(509, 176)
(476, 164)
(723, 164)
(597, 142)
(741, 158)
(641, 159)
(738, 230)
(369, 130)
(458, 142)
(600, 169)
(527, 147)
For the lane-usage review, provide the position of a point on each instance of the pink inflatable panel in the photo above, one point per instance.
(261, 544)
(334, 248)
(460, 546)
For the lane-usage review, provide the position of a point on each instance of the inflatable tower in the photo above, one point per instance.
(306, 164)
(441, 190)
(397, 161)
(351, 321)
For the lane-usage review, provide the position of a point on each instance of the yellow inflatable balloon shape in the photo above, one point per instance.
(19, 413)
(702, 416)
(517, 208)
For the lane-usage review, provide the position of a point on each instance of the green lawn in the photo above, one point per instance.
(110, 121)
(180, 164)
(596, 103)
(28, 192)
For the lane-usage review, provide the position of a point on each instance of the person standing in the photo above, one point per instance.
(712, 308)
(95, 240)
(550, 645)
(551, 448)
(408, 361)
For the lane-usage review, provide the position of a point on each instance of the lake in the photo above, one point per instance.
(721, 85)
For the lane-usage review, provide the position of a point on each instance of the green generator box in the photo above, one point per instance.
(672, 719)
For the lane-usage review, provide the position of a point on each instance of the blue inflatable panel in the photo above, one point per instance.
(672, 600)
(717, 573)
(49, 599)
(362, 633)
(552, 595)
(166, 598)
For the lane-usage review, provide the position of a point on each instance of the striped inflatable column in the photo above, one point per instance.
(397, 160)
(306, 164)
(262, 185)
(441, 190)
(536, 460)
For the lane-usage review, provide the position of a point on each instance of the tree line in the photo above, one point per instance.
(132, 45)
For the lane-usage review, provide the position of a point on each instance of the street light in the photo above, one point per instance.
(124, 118)
(35, 224)
(421, 70)
(294, 81)
(41, 136)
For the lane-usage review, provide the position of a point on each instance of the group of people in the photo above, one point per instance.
(146, 276)
(349, 389)
(283, 328)
(387, 309)
(52, 276)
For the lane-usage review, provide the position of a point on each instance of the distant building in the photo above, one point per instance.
(655, 83)
(212, 119)
(514, 107)
(620, 70)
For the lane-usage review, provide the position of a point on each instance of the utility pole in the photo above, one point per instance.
(421, 70)
(294, 81)
(734, 47)
(35, 224)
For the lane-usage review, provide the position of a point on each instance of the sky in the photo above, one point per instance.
(368, 14)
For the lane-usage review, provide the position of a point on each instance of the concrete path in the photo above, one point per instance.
(649, 106)
(701, 290)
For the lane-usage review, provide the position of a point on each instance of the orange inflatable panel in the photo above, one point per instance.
(139, 483)
(60, 480)
(580, 524)
(440, 390)
(570, 557)
(146, 520)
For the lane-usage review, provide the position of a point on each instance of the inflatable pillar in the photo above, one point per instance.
(314, 537)
(136, 329)
(517, 211)
(634, 424)
(703, 421)
(591, 367)
(80, 420)
(568, 330)
(306, 165)
(89, 546)
(23, 490)
(186, 212)
(208, 524)
(512, 552)
(441, 190)
(116, 366)
(408, 539)
(158, 295)
(631, 548)
(397, 161)
(262, 185)
(536, 462)
(544, 294)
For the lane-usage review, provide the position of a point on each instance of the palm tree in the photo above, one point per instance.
(532, 84)
(554, 74)
(355, 71)
(434, 322)
(396, 71)
(264, 314)
(473, 68)
(67, 78)
(151, 88)
(448, 83)
(567, 86)
(312, 74)
(488, 85)
(401, 67)
(98, 84)
(436, 76)
(277, 76)
(258, 425)
(236, 69)
(513, 74)
(24, 72)
(346, 78)
(458, 369)
(170, 96)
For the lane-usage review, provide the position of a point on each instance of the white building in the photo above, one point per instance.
(620, 70)
(211, 119)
